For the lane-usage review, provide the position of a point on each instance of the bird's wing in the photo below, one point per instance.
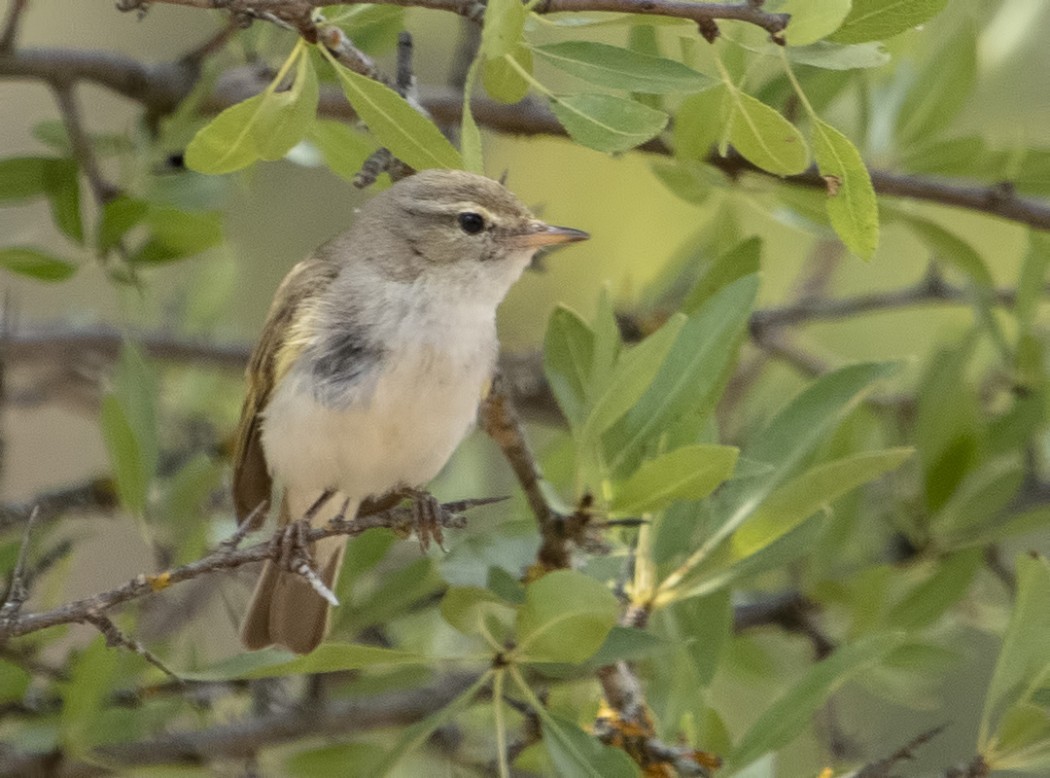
(283, 338)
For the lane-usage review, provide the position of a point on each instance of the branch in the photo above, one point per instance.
(161, 87)
(12, 21)
(226, 557)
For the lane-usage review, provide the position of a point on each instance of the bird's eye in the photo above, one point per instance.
(471, 223)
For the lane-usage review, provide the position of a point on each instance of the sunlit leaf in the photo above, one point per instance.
(503, 27)
(851, 202)
(502, 80)
(764, 137)
(396, 125)
(688, 473)
(606, 122)
(226, 143)
(811, 20)
(870, 20)
(286, 115)
(343, 148)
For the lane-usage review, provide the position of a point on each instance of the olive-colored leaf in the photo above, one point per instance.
(619, 68)
(606, 122)
(36, 264)
(566, 618)
(396, 125)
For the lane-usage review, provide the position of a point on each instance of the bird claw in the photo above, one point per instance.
(428, 517)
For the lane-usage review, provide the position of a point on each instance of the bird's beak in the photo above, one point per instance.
(539, 234)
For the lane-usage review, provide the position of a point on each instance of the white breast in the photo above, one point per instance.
(423, 403)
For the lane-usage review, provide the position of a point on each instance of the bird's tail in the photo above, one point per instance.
(285, 609)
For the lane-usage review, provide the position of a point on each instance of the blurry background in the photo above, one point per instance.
(275, 213)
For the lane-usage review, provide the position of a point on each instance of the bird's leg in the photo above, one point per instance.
(296, 555)
(295, 548)
(428, 517)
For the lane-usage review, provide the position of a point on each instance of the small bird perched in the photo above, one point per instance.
(370, 368)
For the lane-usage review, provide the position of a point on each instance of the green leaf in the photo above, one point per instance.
(618, 68)
(503, 28)
(788, 440)
(798, 499)
(472, 609)
(925, 603)
(739, 260)
(343, 148)
(790, 712)
(834, 56)
(851, 203)
(335, 759)
(85, 695)
(61, 178)
(870, 20)
(130, 470)
(698, 124)
(470, 135)
(576, 754)
(626, 643)
(687, 473)
(1030, 281)
(396, 125)
(34, 263)
(946, 246)
(118, 217)
(1023, 662)
(811, 20)
(763, 136)
(566, 618)
(567, 356)
(284, 117)
(691, 374)
(502, 80)
(22, 178)
(979, 499)
(1022, 741)
(690, 180)
(226, 144)
(634, 372)
(940, 90)
(373, 28)
(606, 122)
(326, 658)
(135, 386)
(175, 233)
(417, 734)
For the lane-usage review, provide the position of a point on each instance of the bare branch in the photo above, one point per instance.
(117, 639)
(9, 34)
(402, 519)
(83, 150)
(18, 591)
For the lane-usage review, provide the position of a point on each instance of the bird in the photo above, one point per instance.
(369, 370)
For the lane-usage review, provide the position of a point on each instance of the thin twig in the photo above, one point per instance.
(18, 591)
(83, 149)
(401, 519)
(117, 639)
(12, 22)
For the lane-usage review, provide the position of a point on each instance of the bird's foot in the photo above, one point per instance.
(295, 556)
(428, 518)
